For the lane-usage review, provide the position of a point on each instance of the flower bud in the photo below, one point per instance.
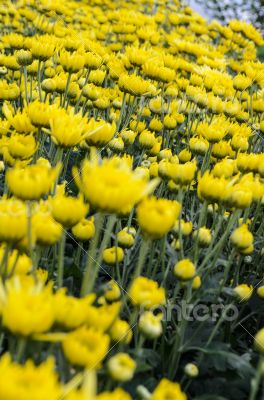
(260, 291)
(203, 236)
(125, 239)
(196, 283)
(150, 325)
(84, 230)
(24, 57)
(184, 270)
(191, 370)
(121, 367)
(242, 238)
(243, 292)
(113, 255)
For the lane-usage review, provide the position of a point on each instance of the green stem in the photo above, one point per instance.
(256, 380)
(29, 234)
(66, 89)
(25, 79)
(141, 258)
(21, 346)
(91, 255)
(201, 220)
(60, 271)
(39, 80)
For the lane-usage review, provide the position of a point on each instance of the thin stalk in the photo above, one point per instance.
(60, 271)
(91, 256)
(25, 81)
(142, 257)
(39, 80)
(255, 383)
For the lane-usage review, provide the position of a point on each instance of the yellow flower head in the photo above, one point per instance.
(117, 394)
(99, 132)
(13, 220)
(112, 186)
(68, 210)
(134, 85)
(22, 123)
(145, 292)
(184, 270)
(22, 382)
(67, 130)
(86, 347)
(168, 390)
(28, 306)
(32, 182)
(45, 229)
(156, 217)
(242, 238)
(21, 146)
(210, 188)
(71, 312)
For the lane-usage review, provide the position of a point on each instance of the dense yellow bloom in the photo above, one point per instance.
(156, 217)
(210, 188)
(13, 220)
(184, 270)
(33, 181)
(21, 123)
(42, 47)
(182, 174)
(8, 91)
(71, 312)
(112, 186)
(21, 146)
(22, 382)
(145, 292)
(99, 132)
(45, 229)
(238, 195)
(134, 85)
(101, 318)
(17, 263)
(242, 237)
(40, 114)
(27, 306)
(67, 130)
(86, 347)
(117, 394)
(168, 390)
(68, 210)
(71, 62)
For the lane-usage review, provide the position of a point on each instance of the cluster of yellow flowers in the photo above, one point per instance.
(132, 177)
